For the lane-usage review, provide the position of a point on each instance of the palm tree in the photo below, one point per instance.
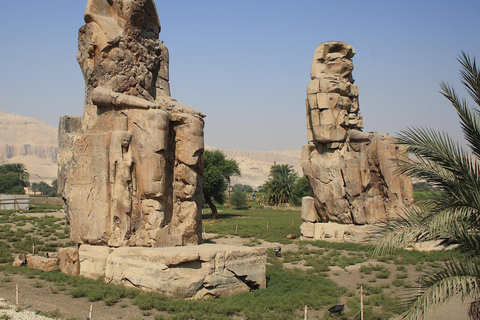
(452, 213)
(279, 186)
(19, 168)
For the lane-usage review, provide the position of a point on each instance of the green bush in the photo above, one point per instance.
(239, 200)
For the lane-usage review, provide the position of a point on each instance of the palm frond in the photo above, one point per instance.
(469, 119)
(470, 76)
(457, 277)
(402, 231)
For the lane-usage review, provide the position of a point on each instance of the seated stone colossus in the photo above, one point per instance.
(352, 173)
(130, 168)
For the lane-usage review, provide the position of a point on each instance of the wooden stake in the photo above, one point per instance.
(33, 248)
(16, 294)
(236, 228)
(361, 303)
(90, 313)
(306, 312)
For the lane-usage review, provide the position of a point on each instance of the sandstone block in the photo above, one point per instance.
(309, 213)
(93, 260)
(186, 272)
(313, 86)
(308, 229)
(344, 103)
(69, 261)
(335, 86)
(42, 263)
(329, 133)
(312, 102)
(315, 117)
(20, 260)
(327, 100)
(319, 232)
(333, 117)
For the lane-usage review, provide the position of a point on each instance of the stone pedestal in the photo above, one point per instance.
(182, 272)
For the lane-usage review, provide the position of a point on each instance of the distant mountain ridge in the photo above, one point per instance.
(31, 142)
(34, 143)
(255, 165)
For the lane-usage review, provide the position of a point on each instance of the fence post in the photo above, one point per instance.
(361, 303)
(16, 294)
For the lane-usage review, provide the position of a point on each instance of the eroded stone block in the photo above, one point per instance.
(42, 263)
(184, 272)
(309, 213)
(308, 229)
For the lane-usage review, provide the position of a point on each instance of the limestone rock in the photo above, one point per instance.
(93, 260)
(69, 261)
(309, 213)
(352, 173)
(20, 260)
(42, 263)
(130, 168)
(307, 229)
(186, 272)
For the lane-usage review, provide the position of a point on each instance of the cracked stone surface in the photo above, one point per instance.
(351, 172)
(183, 272)
(130, 168)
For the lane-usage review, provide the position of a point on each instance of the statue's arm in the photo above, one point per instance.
(105, 97)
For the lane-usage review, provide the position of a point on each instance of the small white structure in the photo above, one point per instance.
(14, 202)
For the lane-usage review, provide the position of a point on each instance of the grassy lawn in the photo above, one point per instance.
(272, 225)
(307, 276)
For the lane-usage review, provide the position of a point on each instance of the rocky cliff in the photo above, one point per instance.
(31, 142)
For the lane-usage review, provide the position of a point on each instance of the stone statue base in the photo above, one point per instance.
(182, 272)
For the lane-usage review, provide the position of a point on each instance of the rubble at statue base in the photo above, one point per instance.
(130, 169)
(352, 173)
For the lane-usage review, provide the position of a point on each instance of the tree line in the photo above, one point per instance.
(14, 178)
(282, 187)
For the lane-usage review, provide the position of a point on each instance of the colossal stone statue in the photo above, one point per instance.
(130, 168)
(352, 173)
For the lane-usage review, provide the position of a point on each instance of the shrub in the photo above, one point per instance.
(239, 200)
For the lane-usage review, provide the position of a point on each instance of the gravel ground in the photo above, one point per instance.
(8, 311)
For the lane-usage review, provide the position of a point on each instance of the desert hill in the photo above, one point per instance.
(255, 165)
(35, 144)
(31, 142)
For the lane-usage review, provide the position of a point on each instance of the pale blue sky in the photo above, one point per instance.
(246, 64)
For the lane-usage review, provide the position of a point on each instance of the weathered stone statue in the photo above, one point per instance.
(352, 173)
(130, 168)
